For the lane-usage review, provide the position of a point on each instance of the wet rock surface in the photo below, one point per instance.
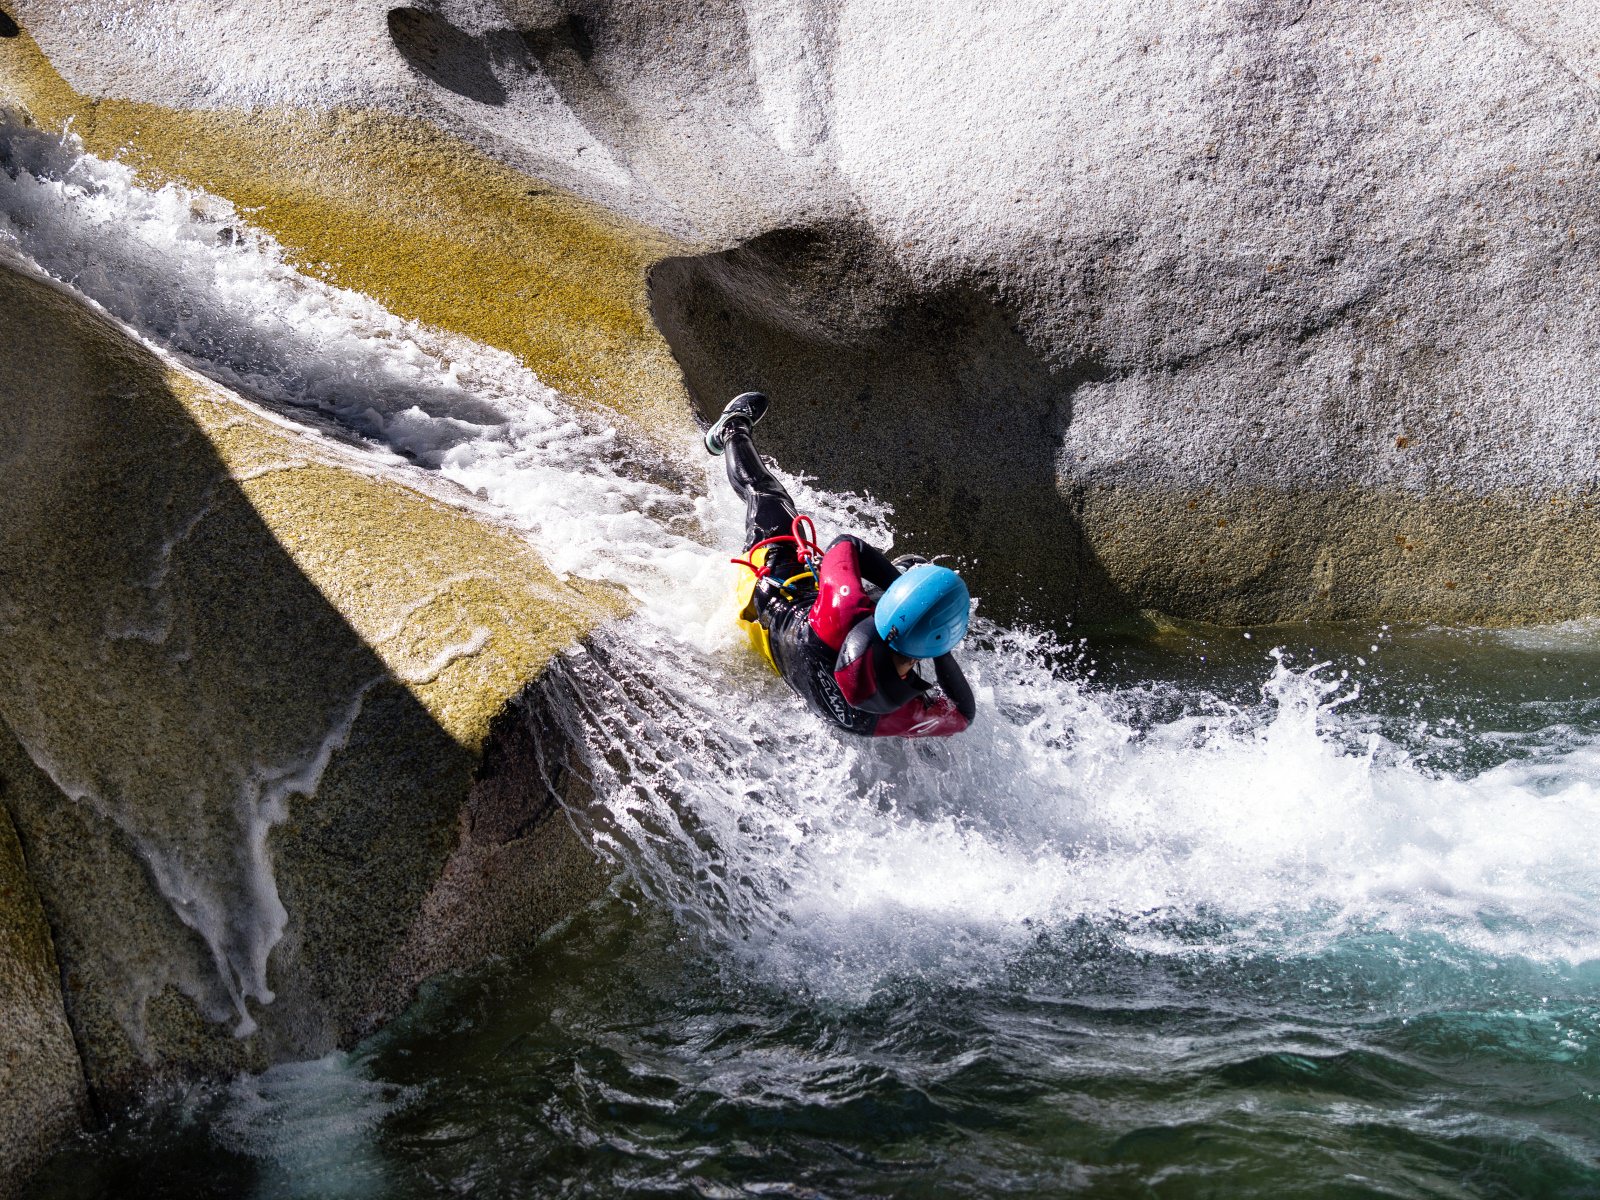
(1244, 310)
(42, 1094)
(247, 689)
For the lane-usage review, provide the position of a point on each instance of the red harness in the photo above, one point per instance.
(803, 533)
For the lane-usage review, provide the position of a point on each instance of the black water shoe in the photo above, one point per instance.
(747, 406)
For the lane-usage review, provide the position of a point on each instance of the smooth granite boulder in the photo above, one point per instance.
(258, 704)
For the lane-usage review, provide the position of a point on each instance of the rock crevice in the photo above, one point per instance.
(43, 1097)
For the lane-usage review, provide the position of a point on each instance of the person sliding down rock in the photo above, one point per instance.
(850, 657)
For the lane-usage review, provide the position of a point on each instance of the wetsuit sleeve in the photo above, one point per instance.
(842, 599)
(955, 686)
(873, 565)
(923, 717)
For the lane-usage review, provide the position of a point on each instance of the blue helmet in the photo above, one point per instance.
(924, 612)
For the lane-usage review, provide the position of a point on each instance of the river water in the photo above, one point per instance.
(1285, 912)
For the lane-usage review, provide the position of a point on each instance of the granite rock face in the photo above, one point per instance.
(42, 1093)
(1246, 309)
(269, 734)
(248, 691)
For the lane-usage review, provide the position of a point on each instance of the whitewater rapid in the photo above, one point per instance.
(1172, 820)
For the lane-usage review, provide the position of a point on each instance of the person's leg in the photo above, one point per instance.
(768, 508)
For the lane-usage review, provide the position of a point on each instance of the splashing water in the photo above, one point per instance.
(1170, 822)
(1061, 803)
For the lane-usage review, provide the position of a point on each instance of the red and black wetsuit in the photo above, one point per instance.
(824, 641)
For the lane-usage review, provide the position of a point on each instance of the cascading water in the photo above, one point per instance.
(1132, 935)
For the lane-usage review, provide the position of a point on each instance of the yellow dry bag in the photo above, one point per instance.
(744, 597)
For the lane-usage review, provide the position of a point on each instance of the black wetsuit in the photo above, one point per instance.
(823, 638)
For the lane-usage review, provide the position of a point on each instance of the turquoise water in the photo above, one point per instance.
(1186, 1050)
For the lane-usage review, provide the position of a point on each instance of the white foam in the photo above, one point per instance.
(313, 1127)
(1284, 823)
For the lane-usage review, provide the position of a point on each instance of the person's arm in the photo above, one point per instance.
(866, 676)
(871, 562)
(923, 717)
(955, 685)
(934, 716)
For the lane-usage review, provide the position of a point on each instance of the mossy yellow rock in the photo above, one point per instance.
(433, 228)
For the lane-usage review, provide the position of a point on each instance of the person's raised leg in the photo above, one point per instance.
(769, 510)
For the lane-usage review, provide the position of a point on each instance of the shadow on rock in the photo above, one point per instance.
(235, 814)
(452, 58)
(931, 401)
